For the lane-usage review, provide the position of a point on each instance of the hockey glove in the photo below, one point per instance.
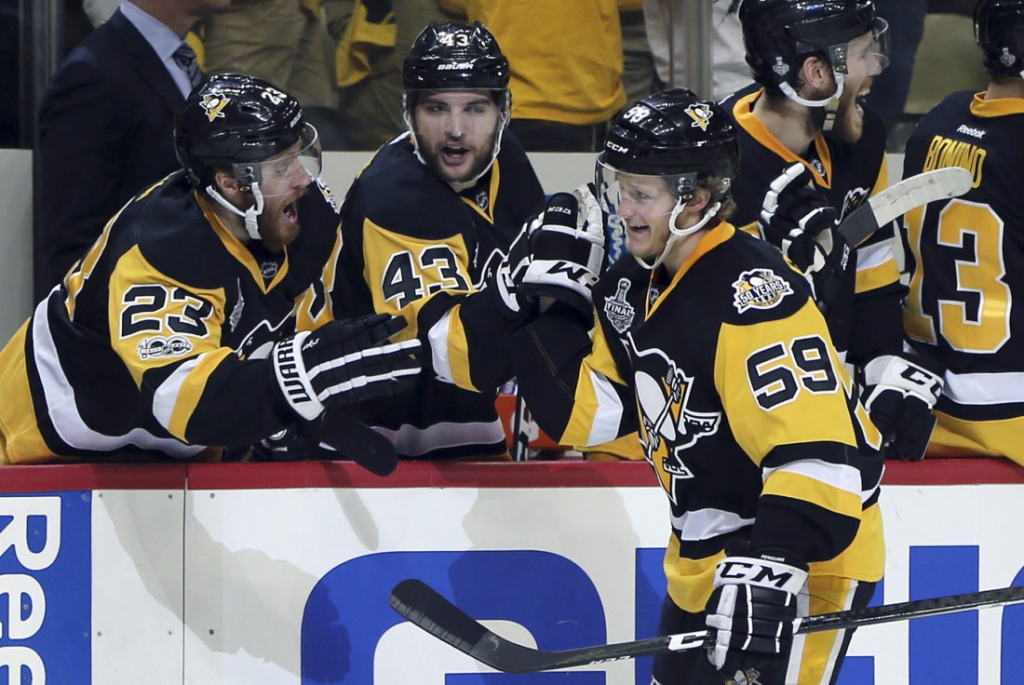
(515, 305)
(797, 219)
(344, 361)
(332, 436)
(899, 393)
(567, 250)
(752, 608)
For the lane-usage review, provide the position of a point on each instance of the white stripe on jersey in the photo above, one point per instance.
(704, 524)
(984, 388)
(414, 442)
(838, 476)
(63, 411)
(875, 254)
(437, 336)
(605, 425)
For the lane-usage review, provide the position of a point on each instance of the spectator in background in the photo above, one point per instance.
(639, 77)
(373, 37)
(286, 43)
(889, 92)
(667, 35)
(425, 225)
(567, 65)
(964, 309)
(105, 123)
(173, 336)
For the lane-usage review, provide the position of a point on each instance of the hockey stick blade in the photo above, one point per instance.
(898, 199)
(420, 604)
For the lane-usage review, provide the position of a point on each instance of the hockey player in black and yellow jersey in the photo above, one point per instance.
(965, 255)
(173, 335)
(813, 61)
(712, 344)
(425, 223)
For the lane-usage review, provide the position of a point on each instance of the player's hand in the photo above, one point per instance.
(752, 608)
(899, 394)
(332, 436)
(567, 250)
(344, 361)
(797, 219)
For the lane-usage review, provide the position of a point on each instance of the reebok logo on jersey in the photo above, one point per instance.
(968, 131)
(759, 289)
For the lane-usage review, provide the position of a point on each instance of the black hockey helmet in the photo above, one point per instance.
(673, 133)
(455, 56)
(780, 34)
(235, 121)
(999, 32)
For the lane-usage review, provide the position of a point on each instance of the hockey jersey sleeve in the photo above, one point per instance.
(571, 381)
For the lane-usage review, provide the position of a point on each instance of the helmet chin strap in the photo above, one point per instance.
(676, 233)
(831, 104)
(250, 215)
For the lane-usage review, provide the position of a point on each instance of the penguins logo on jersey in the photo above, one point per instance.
(701, 115)
(620, 313)
(214, 105)
(667, 426)
(759, 289)
(326, 192)
(259, 341)
(854, 198)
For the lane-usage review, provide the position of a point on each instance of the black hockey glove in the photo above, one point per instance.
(344, 361)
(797, 219)
(751, 611)
(899, 393)
(332, 436)
(567, 250)
(516, 307)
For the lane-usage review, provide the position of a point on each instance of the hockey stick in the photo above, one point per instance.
(423, 606)
(898, 199)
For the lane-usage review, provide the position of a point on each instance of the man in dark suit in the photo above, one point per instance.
(106, 123)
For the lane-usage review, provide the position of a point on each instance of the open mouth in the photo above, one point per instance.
(291, 212)
(454, 154)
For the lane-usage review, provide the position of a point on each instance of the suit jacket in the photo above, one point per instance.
(106, 126)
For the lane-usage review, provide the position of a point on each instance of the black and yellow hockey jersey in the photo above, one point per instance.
(156, 341)
(846, 174)
(415, 247)
(744, 408)
(965, 258)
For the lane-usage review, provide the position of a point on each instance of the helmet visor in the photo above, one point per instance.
(870, 51)
(626, 195)
(281, 174)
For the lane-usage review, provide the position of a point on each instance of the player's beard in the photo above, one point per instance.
(849, 125)
(482, 158)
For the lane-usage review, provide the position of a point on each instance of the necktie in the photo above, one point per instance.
(185, 57)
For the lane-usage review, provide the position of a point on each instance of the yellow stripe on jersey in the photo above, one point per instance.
(492, 193)
(864, 559)
(801, 486)
(955, 437)
(155, 321)
(597, 405)
(79, 274)
(689, 580)
(306, 319)
(458, 350)
(18, 429)
(189, 390)
(798, 395)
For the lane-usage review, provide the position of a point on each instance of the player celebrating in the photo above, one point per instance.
(812, 61)
(172, 336)
(709, 342)
(961, 308)
(425, 224)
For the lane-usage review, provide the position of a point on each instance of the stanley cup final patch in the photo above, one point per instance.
(759, 289)
(619, 312)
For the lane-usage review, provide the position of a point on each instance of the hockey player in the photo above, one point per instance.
(965, 254)
(712, 344)
(425, 224)
(813, 60)
(173, 336)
